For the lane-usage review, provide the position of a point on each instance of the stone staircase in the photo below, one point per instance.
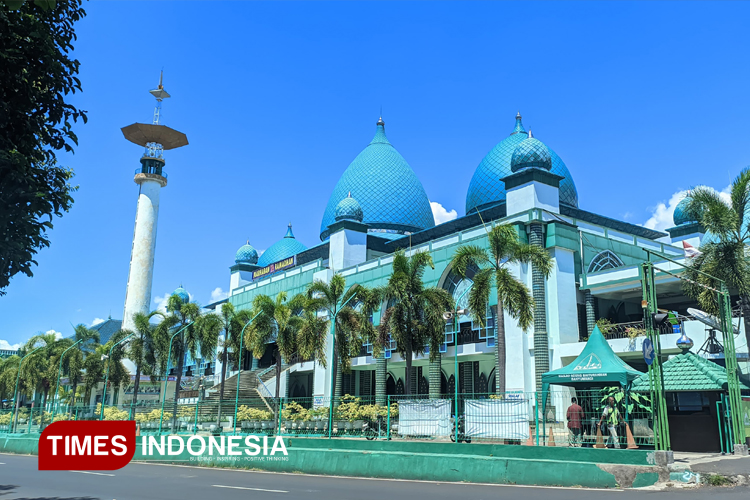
(248, 387)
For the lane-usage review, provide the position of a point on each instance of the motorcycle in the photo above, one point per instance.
(461, 430)
(375, 429)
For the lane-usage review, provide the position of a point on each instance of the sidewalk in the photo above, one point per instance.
(713, 463)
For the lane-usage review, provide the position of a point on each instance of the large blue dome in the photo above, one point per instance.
(288, 246)
(387, 189)
(486, 189)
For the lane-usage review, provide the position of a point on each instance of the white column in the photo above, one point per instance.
(138, 294)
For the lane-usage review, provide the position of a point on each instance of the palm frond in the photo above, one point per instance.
(503, 240)
(538, 257)
(479, 295)
(715, 215)
(516, 298)
(467, 256)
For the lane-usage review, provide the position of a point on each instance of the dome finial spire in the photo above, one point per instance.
(519, 125)
(289, 233)
(531, 135)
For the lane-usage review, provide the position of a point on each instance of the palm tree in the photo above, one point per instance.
(40, 369)
(142, 350)
(116, 374)
(93, 367)
(7, 365)
(8, 374)
(232, 322)
(75, 359)
(311, 337)
(334, 299)
(414, 317)
(199, 338)
(725, 255)
(513, 297)
(277, 321)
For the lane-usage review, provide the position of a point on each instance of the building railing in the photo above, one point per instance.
(151, 170)
(634, 329)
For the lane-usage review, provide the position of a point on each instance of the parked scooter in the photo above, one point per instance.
(461, 430)
(376, 429)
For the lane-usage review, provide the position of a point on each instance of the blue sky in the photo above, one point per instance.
(641, 100)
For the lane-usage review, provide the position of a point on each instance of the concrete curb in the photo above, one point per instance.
(441, 462)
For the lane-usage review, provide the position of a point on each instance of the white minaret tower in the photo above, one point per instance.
(150, 178)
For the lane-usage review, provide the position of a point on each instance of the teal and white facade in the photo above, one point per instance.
(379, 206)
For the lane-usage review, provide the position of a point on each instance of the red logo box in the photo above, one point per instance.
(87, 445)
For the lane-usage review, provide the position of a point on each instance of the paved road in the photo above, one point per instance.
(19, 479)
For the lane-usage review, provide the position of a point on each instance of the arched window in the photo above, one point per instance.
(605, 260)
(456, 286)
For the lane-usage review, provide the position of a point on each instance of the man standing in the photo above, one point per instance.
(575, 420)
(612, 415)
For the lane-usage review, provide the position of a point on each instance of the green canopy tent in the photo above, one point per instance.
(597, 365)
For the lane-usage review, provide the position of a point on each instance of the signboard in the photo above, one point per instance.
(648, 352)
(145, 388)
(275, 267)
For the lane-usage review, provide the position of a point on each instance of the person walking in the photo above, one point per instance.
(613, 417)
(575, 422)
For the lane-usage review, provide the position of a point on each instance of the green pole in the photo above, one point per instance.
(333, 365)
(536, 417)
(15, 392)
(59, 372)
(455, 371)
(106, 379)
(721, 437)
(239, 372)
(166, 377)
(455, 360)
(730, 360)
(388, 411)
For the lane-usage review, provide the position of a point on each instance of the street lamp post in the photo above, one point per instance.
(333, 365)
(454, 315)
(106, 379)
(166, 377)
(239, 372)
(59, 372)
(15, 392)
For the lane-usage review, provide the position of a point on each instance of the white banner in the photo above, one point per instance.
(497, 418)
(424, 417)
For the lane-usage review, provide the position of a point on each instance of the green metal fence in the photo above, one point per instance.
(548, 419)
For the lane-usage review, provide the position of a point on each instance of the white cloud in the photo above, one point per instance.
(57, 334)
(441, 214)
(97, 321)
(663, 214)
(218, 294)
(4, 344)
(161, 303)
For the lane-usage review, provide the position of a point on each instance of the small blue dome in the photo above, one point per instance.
(288, 246)
(182, 294)
(681, 214)
(246, 255)
(487, 190)
(530, 153)
(349, 209)
(388, 190)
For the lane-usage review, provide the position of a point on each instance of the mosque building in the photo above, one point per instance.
(379, 206)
